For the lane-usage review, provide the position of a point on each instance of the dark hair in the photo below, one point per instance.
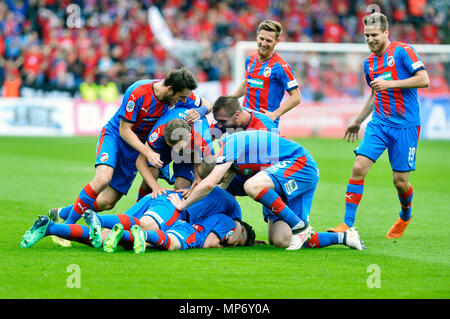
(180, 79)
(227, 102)
(176, 130)
(251, 236)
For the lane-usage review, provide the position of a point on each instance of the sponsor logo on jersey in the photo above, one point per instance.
(255, 83)
(385, 76)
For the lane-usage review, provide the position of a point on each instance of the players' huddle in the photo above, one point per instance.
(161, 131)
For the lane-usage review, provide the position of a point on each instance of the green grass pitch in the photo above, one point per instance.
(39, 173)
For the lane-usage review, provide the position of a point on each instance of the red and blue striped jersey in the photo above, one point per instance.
(201, 140)
(395, 107)
(252, 151)
(266, 83)
(141, 107)
(260, 121)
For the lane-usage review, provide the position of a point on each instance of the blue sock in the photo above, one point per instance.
(270, 199)
(108, 221)
(65, 211)
(405, 202)
(319, 240)
(68, 231)
(157, 238)
(353, 196)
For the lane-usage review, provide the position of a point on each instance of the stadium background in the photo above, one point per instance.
(50, 50)
(84, 54)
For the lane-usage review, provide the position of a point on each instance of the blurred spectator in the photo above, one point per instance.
(107, 90)
(89, 89)
(11, 85)
(115, 40)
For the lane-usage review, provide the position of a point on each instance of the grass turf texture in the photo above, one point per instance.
(39, 173)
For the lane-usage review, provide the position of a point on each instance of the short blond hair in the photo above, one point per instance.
(271, 26)
(376, 20)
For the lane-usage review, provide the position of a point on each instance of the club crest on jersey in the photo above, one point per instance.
(130, 106)
(104, 157)
(267, 71)
(390, 61)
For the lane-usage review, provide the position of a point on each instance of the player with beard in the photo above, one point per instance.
(393, 71)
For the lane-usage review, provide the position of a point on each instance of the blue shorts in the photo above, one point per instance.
(236, 187)
(295, 181)
(184, 170)
(401, 143)
(186, 234)
(160, 209)
(114, 152)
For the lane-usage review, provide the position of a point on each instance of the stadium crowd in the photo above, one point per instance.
(41, 46)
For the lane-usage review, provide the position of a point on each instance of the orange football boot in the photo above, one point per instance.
(398, 229)
(342, 228)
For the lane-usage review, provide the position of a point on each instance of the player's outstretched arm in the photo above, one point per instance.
(202, 189)
(351, 133)
(197, 113)
(149, 176)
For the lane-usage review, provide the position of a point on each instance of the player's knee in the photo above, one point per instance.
(106, 204)
(251, 188)
(401, 185)
(281, 239)
(359, 169)
(148, 223)
(174, 243)
(102, 178)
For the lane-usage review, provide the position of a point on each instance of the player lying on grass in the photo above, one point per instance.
(150, 214)
(213, 231)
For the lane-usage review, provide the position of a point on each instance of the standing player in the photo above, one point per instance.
(393, 71)
(283, 179)
(268, 76)
(122, 140)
